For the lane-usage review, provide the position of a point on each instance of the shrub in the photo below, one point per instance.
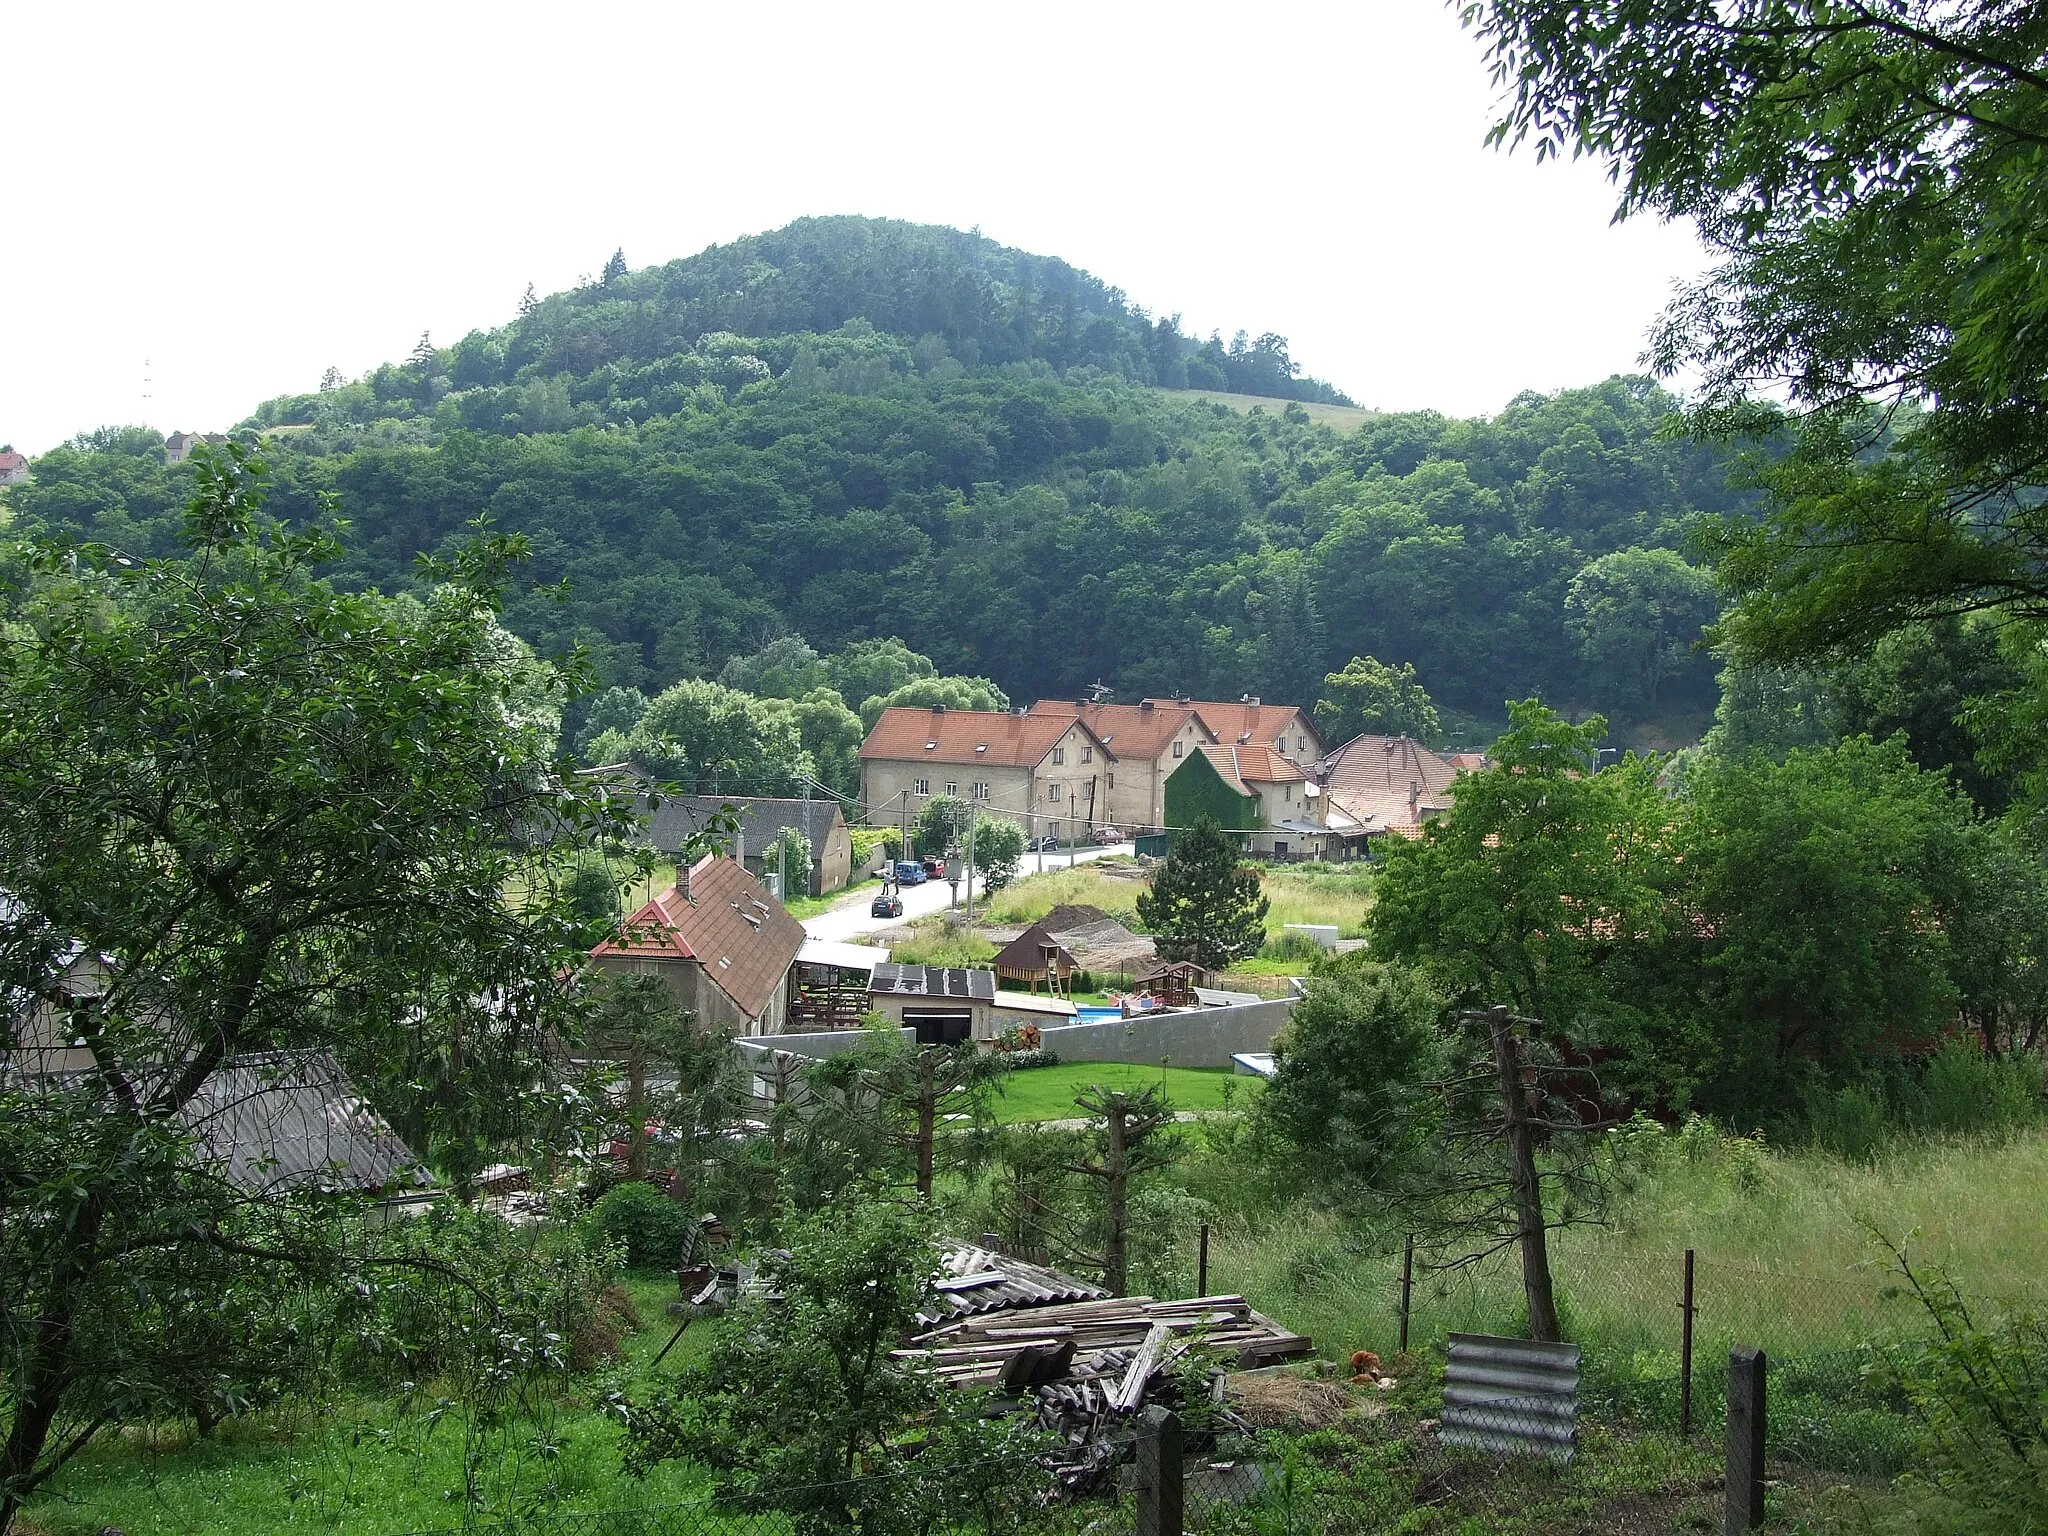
(1963, 1089)
(647, 1226)
(1291, 946)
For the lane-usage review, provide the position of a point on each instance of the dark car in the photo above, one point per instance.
(1041, 845)
(1107, 835)
(888, 904)
(910, 872)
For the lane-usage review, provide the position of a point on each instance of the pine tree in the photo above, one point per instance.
(331, 379)
(616, 267)
(423, 355)
(529, 303)
(1204, 905)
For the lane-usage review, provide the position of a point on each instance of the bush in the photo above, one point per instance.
(648, 1227)
(1963, 1089)
(1021, 1060)
(867, 839)
(1291, 946)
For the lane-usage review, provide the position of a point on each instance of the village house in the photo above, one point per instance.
(179, 445)
(723, 944)
(678, 818)
(1384, 786)
(13, 467)
(1253, 791)
(1286, 728)
(1046, 772)
(1150, 740)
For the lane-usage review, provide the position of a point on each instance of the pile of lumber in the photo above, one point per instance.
(1111, 1348)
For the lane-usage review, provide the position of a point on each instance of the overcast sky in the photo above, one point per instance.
(243, 195)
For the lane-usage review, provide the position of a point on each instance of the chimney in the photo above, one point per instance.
(1414, 793)
(938, 709)
(1147, 705)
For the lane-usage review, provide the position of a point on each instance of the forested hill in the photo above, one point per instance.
(866, 430)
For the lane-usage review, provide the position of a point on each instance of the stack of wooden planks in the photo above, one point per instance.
(1087, 1343)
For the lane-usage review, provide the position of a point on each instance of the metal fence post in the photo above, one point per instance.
(1159, 1489)
(1745, 1507)
(1202, 1264)
(1407, 1288)
(1686, 1310)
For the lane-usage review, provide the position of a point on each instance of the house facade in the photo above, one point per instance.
(13, 467)
(1048, 773)
(720, 941)
(678, 818)
(1255, 792)
(1150, 740)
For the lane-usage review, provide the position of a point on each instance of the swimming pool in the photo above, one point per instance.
(1089, 1014)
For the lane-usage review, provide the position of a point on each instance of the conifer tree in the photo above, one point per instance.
(616, 267)
(1204, 905)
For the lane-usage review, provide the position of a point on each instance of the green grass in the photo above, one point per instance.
(361, 1468)
(933, 942)
(1345, 418)
(1295, 893)
(1047, 1093)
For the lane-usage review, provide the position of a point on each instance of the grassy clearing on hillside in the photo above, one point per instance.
(1345, 418)
(1047, 1093)
(1296, 893)
(1788, 1255)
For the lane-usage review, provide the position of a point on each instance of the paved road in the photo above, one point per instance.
(852, 919)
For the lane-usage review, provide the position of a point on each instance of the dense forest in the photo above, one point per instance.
(854, 429)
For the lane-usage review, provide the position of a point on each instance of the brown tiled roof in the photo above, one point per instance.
(1025, 954)
(743, 937)
(12, 460)
(1369, 778)
(1245, 766)
(1257, 725)
(968, 736)
(1129, 730)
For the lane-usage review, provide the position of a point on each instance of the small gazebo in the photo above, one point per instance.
(1173, 982)
(1035, 956)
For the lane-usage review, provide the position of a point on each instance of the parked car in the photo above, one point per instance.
(1041, 844)
(910, 872)
(888, 904)
(935, 867)
(1107, 835)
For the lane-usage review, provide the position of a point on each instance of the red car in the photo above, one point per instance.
(1107, 835)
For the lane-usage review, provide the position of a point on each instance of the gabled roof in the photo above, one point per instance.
(10, 460)
(1369, 778)
(968, 736)
(1242, 767)
(1027, 954)
(679, 817)
(1129, 730)
(728, 923)
(1250, 723)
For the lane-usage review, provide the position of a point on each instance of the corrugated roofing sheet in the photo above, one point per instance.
(292, 1120)
(934, 981)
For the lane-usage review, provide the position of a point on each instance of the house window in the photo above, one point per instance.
(1052, 793)
(1177, 747)
(1087, 754)
(953, 788)
(924, 786)
(1112, 781)
(1059, 754)
(979, 789)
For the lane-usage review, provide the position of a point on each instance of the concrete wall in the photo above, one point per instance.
(1208, 1037)
(829, 1042)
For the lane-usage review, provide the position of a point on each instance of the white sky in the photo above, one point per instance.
(243, 195)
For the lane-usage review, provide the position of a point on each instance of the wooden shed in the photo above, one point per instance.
(1035, 956)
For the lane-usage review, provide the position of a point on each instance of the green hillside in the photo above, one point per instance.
(855, 428)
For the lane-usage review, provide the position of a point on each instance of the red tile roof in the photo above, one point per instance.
(968, 736)
(11, 460)
(1245, 766)
(743, 937)
(1257, 725)
(1369, 778)
(1129, 730)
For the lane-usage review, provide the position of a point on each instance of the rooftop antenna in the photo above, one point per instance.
(147, 370)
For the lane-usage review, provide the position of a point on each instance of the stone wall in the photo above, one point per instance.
(1206, 1037)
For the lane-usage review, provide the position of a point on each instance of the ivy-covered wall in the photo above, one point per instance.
(1195, 789)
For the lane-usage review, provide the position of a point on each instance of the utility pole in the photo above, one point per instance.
(971, 809)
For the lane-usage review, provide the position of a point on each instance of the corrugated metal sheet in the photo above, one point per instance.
(973, 1280)
(1511, 1396)
(292, 1120)
(935, 981)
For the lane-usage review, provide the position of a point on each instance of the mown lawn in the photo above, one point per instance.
(1047, 1093)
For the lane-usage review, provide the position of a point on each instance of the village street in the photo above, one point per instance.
(853, 918)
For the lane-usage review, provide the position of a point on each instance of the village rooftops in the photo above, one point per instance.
(678, 818)
(1242, 767)
(724, 919)
(1387, 783)
(1249, 722)
(966, 736)
(1128, 730)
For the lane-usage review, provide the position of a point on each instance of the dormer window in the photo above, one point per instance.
(931, 746)
(981, 746)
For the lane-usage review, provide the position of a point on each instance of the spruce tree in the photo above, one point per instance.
(1205, 905)
(616, 267)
